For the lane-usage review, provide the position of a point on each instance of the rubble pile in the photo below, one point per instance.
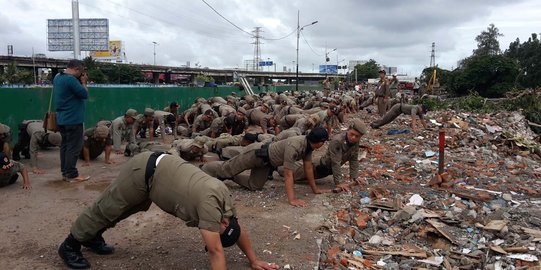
(483, 212)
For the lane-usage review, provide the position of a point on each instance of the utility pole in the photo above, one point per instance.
(76, 39)
(433, 55)
(257, 47)
(155, 43)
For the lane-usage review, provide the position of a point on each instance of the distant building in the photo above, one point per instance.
(353, 63)
(390, 70)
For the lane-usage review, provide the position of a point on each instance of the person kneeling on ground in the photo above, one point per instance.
(343, 147)
(175, 186)
(399, 109)
(9, 170)
(262, 158)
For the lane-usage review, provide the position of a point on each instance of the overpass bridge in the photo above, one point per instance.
(221, 76)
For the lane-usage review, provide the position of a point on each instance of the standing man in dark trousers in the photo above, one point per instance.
(70, 91)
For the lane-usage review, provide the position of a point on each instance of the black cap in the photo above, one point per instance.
(317, 135)
(231, 234)
(173, 104)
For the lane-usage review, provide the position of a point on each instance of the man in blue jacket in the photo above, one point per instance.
(70, 91)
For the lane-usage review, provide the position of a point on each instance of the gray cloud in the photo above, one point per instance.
(396, 33)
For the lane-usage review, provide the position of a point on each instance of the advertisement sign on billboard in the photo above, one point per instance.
(328, 69)
(114, 51)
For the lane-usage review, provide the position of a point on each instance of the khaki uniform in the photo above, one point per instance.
(397, 110)
(304, 124)
(261, 159)
(224, 140)
(177, 187)
(10, 176)
(140, 123)
(289, 120)
(5, 134)
(201, 125)
(259, 118)
(120, 130)
(287, 110)
(382, 92)
(148, 146)
(159, 120)
(32, 139)
(183, 149)
(338, 153)
(95, 146)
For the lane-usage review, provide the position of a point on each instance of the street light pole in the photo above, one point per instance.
(155, 43)
(299, 29)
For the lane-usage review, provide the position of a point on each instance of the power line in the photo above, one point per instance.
(230, 22)
(280, 38)
(309, 45)
(292, 32)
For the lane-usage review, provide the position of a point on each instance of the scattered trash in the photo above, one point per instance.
(482, 212)
(416, 199)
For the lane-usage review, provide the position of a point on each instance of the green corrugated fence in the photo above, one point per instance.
(18, 104)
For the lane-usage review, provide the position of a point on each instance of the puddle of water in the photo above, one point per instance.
(97, 186)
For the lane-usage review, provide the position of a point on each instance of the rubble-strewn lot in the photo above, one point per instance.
(483, 212)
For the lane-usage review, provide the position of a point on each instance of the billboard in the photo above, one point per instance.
(114, 51)
(93, 34)
(265, 63)
(328, 69)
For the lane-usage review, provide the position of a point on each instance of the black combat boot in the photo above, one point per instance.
(98, 245)
(127, 152)
(70, 252)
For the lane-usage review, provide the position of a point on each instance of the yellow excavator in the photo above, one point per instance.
(433, 83)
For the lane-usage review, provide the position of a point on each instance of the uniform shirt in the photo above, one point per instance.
(338, 153)
(304, 124)
(199, 124)
(141, 122)
(159, 118)
(5, 134)
(7, 175)
(95, 146)
(119, 130)
(287, 110)
(412, 110)
(287, 152)
(36, 132)
(69, 95)
(257, 117)
(383, 89)
(289, 120)
(226, 110)
(190, 194)
(183, 148)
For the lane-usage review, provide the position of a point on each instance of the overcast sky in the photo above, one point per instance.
(394, 33)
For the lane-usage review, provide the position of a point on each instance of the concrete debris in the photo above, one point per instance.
(482, 212)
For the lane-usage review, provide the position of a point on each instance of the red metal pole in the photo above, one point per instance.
(442, 151)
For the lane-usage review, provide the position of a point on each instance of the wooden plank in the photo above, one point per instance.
(443, 229)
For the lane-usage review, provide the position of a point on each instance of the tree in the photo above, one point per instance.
(489, 75)
(528, 57)
(442, 75)
(122, 73)
(487, 41)
(368, 70)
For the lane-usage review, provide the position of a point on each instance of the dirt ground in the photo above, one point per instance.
(34, 222)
